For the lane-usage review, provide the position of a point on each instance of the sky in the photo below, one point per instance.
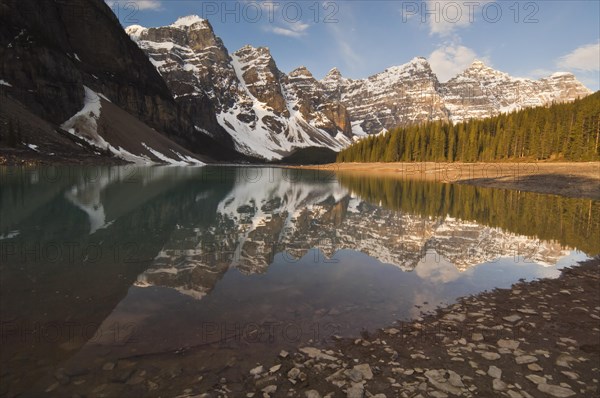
(530, 39)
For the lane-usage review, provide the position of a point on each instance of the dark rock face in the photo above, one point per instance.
(52, 49)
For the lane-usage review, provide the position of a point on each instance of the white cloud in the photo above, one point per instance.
(436, 269)
(452, 59)
(297, 29)
(141, 5)
(585, 58)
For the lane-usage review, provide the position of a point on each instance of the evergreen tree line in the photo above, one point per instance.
(559, 132)
(573, 222)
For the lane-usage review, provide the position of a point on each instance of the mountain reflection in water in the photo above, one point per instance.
(135, 262)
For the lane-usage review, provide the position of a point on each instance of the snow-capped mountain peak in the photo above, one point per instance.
(189, 21)
(268, 113)
(558, 75)
(477, 64)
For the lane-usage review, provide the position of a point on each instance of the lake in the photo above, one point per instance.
(131, 281)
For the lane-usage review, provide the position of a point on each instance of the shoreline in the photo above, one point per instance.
(570, 179)
(535, 339)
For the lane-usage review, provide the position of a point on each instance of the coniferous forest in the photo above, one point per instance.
(569, 132)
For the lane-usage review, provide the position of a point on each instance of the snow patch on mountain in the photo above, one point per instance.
(188, 21)
(84, 123)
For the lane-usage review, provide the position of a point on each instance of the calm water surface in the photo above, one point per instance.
(181, 276)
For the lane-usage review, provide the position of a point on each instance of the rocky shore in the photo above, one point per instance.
(537, 339)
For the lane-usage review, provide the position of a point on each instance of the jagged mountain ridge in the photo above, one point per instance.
(264, 111)
(269, 113)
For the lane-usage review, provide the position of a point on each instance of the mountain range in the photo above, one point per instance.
(174, 94)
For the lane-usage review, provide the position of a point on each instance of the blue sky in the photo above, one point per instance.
(523, 38)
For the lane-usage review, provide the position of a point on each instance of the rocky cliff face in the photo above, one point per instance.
(269, 113)
(265, 112)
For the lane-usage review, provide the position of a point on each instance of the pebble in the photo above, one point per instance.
(535, 367)
(437, 394)
(315, 353)
(108, 366)
(257, 370)
(445, 381)
(356, 391)
(498, 385)
(392, 331)
(568, 341)
(359, 373)
(563, 360)
(270, 389)
(494, 372)
(536, 379)
(293, 373)
(455, 317)
(570, 375)
(527, 311)
(312, 394)
(490, 356)
(477, 337)
(556, 391)
(274, 368)
(512, 318)
(525, 359)
(510, 344)
(52, 387)
(284, 354)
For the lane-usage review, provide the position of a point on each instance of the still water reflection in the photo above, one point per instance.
(142, 281)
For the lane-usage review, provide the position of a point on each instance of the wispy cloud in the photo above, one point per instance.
(585, 58)
(347, 53)
(142, 5)
(297, 29)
